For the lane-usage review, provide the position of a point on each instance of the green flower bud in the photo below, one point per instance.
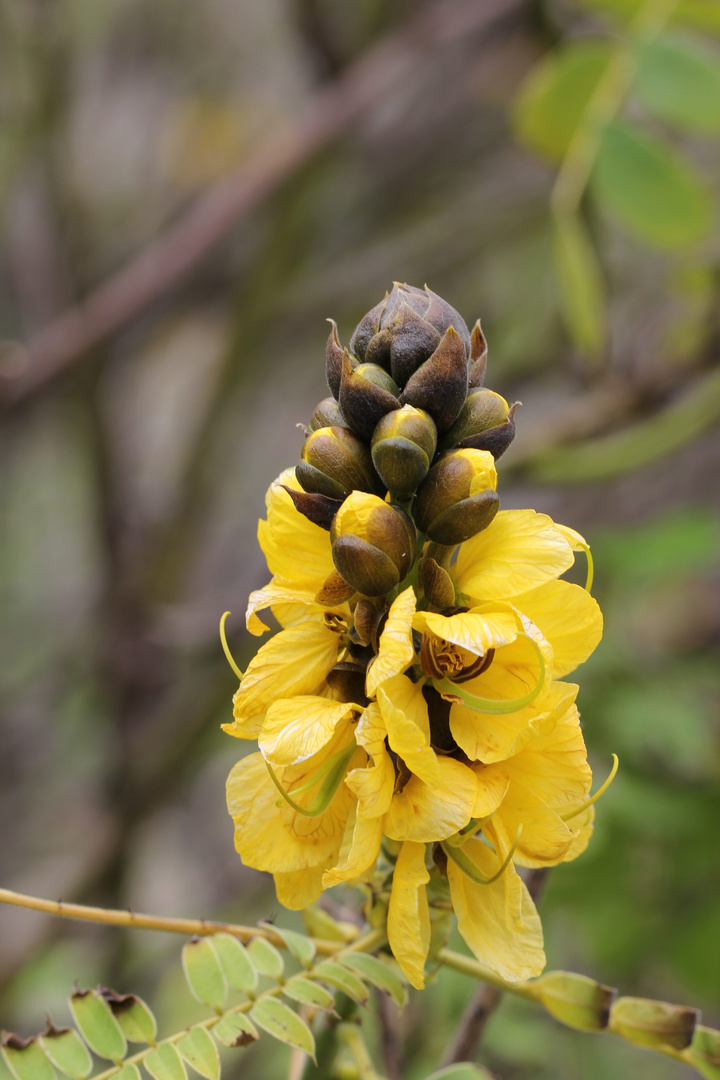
(335, 462)
(653, 1023)
(403, 446)
(576, 1000)
(373, 543)
(440, 385)
(485, 423)
(404, 329)
(327, 414)
(458, 498)
(367, 393)
(436, 584)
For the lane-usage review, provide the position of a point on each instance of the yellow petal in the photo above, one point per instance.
(545, 838)
(408, 924)
(569, 619)
(299, 888)
(359, 850)
(476, 631)
(424, 812)
(518, 550)
(373, 785)
(396, 652)
(295, 661)
(515, 954)
(405, 714)
(492, 787)
(553, 763)
(583, 823)
(277, 591)
(278, 839)
(297, 728)
(294, 547)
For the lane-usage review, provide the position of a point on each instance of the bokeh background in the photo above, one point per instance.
(297, 156)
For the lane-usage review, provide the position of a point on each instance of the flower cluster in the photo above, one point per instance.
(413, 732)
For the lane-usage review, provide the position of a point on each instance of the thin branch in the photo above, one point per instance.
(351, 1037)
(164, 262)
(392, 1048)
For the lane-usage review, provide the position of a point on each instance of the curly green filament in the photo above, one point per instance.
(489, 705)
(331, 779)
(600, 791)
(470, 829)
(469, 868)
(590, 567)
(226, 648)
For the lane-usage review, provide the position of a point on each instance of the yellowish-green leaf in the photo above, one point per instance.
(26, 1059)
(653, 1023)
(679, 80)
(239, 969)
(650, 188)
(282, 1023)
(128, 1072)
(376, 972)
(308, 993)
(204, 972)
(580, 284)
(705, 1052)
(321, 925)
(165, 1063)
(235, 1029)
(464, 1070)
(199, 1050)
(266, 958)
(97, 1025)
(67, 1051)
(556, 93)
(299, 945)
(704, 14)
(133, 1015)
(576, 1000)
(335, 974)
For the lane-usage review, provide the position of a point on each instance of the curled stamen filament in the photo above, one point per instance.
(470, 829)
(331, 774)
(594, 798)
(590, 567)
(226, 648)
(469, 868)
(490, 705)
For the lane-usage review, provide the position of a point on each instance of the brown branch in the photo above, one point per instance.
(392, 1048)
(165, 261)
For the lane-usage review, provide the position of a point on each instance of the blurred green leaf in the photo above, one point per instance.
(204, 972)
(649, 188)
(97, 1024)
(266, 958)
(282, 1023)
(464, 1070)
(199, 1050)
(335, 975)
(555, 95)
(705, 14)
(299, 945)
(580, 283)
(128, 1072)
(235, 1029)
(239, 969)
(165, 1063)
(376, 972)
(67, 1051)
(679, 80)
(133, 1015)
(705, 1052)
(308, 993)
(26, 1062)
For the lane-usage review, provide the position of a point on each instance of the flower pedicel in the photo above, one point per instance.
(414, 732)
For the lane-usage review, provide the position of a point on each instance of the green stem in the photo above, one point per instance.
(351, 1037)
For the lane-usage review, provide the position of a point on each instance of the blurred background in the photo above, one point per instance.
(187, 192)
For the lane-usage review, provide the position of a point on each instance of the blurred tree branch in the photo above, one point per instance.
(165, 261)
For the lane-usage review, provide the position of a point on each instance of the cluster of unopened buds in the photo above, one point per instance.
(414, 735)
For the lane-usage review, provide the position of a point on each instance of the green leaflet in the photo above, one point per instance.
(336, 975)
(28, 1061)
(678, 79)
(165, 1063)
(66, 1051)
(555, 95)
(580, 284)
(199, 1050)
(282, 1023)
(376, 972)
(204, 972)
(239, 969)
(236, 1029)
(299, 945)
(133, 1015)
(308, 993)
(649, 188)
(266, 958)
(97, 1024)
(464, 1070)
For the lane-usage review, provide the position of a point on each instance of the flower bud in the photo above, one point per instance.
(576, 1000)
(403, 446)
(327, 414)
(485, 423)
(436, 584)
(457, 498)
(653, 1023)
(335, 462)
(367, 393)
(478, 357)
(404, 329)
(440, 385)
(373, 543)
(333, 360)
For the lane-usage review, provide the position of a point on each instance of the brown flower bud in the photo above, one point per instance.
(367, 393)
(316, 508)
(458, 498)
(333, 360)
(373, 543)
(436, 584)
(481, 424)
(327, 414)
(403, 446)
(335, 462)
(440, 385)
(478, 357)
